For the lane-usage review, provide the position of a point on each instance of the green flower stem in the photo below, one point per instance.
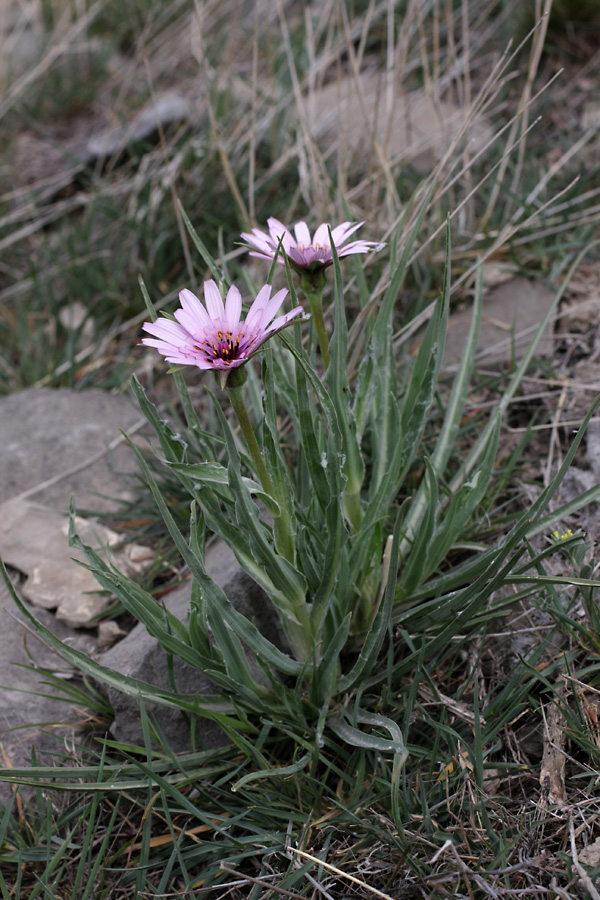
(236, 395)
(314, 295)
(281, 523)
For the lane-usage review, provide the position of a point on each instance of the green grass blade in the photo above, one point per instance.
(380, 625)
(339, 390)
(200, 246)
(454, 412)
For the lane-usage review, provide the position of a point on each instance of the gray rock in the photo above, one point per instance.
(59, 442)
(141, 657)
(109, 633)
(34, 540)
(409, 125)
(511, 315)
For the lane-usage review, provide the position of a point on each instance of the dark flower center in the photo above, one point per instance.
(224, 346)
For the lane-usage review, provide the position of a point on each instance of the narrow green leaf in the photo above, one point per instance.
(415, 567)
(416, 404)
(475, 595)
(214, 473)
(383, 324)
(251, 636)
(323, 680)
(339, 389)
(311, 435)
(381, 624)
(366, 385)
(149, 304)
(337, 536)
(356, 738)
(236, 663)
(274, 458)
(453, 415)
(280, 772)
(172, 445)
(199, 245)
(289, 584)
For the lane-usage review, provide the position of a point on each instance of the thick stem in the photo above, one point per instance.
(236, 396)
(315, 301)
(281, 523)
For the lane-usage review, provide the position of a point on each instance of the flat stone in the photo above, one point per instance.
(68, 436)
(34, 540)
(413, 127)
(109, 633)
(512, 313)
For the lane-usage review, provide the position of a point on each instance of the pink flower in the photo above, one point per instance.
(214, 336)
(304, 251)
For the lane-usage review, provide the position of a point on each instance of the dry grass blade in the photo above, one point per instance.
(261, 882)
(341, 874)
(583, 875)
(65, 36)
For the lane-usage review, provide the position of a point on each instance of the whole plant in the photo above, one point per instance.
(331, 477)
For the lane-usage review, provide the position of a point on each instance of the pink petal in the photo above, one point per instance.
(278, 230)
(180, 359)
(357, 247)
(233, 307)
(272, 308)
(163, 346)
(281, 321)
(321, 235)
(342, 232)
(299, 256)
(214, 304)
(258, 239)
(166, 330)
(268, 256)
(194, 327)
(302, 234)
(258, 308)
(195, 307)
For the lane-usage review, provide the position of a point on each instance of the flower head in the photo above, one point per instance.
(303, 251)
(212, 335)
